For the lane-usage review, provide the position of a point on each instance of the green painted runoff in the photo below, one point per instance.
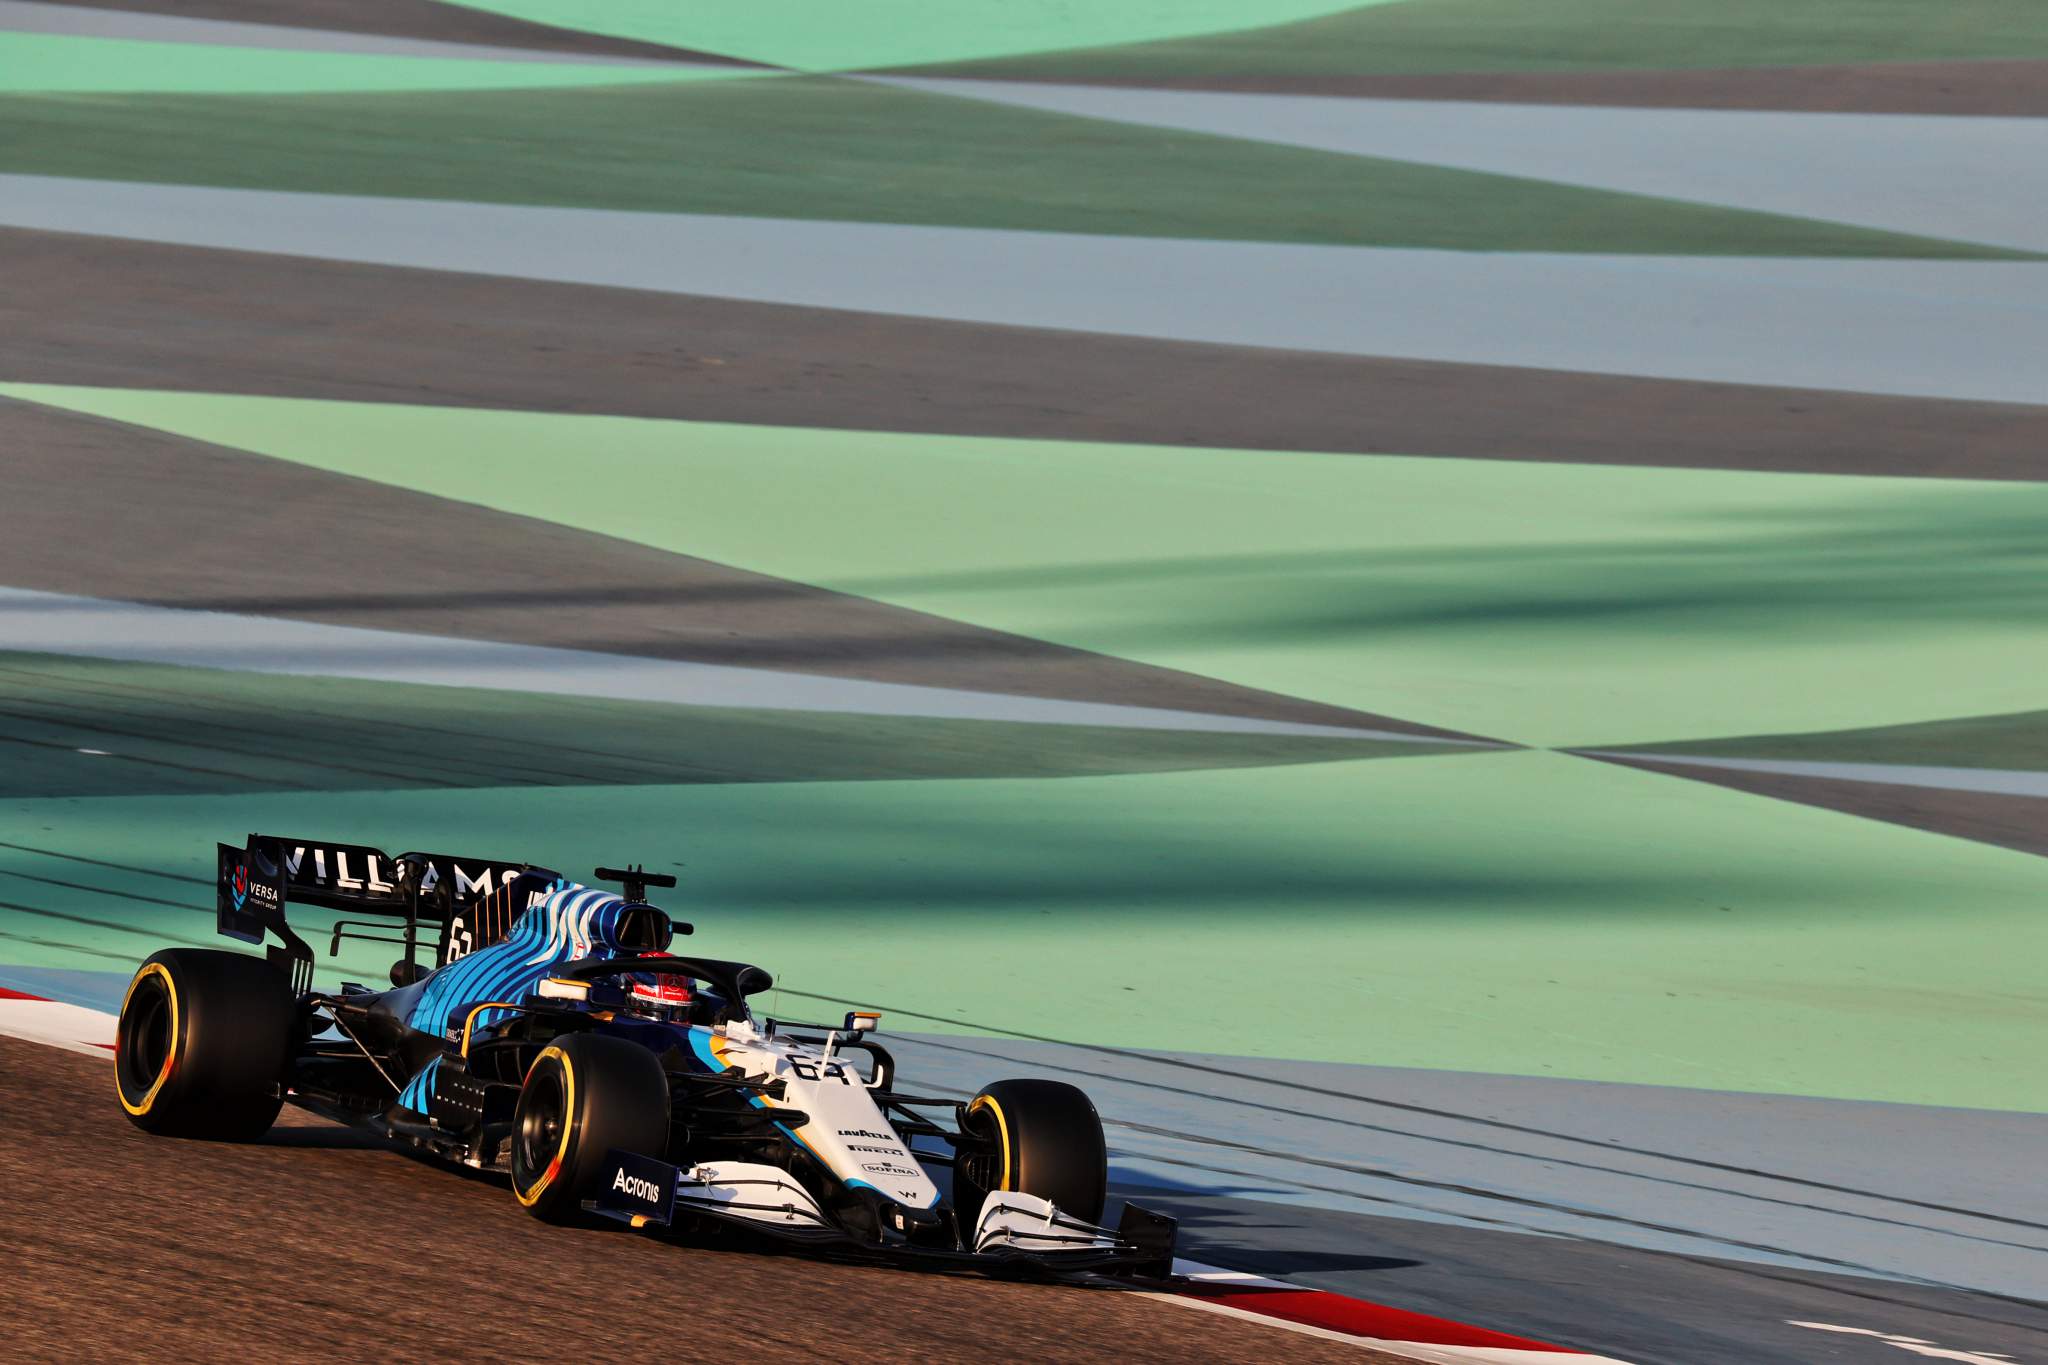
(1523, 913)
(1548, 604)
(846, 150)
(46, 62)
(1422, 36)
(825, 35)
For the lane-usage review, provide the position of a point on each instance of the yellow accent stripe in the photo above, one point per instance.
(529, 1197)
(170, 1053)
(469, 1020)
(1002, 1130)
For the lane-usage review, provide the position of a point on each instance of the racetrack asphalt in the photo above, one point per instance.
(320, 1241)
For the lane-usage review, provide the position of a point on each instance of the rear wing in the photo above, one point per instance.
(467, 902)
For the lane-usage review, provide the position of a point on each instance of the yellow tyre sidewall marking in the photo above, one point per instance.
(554, 1168)
(1002, 1131)
(170, 1053)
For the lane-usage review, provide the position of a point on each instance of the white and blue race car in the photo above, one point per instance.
(557, 1038)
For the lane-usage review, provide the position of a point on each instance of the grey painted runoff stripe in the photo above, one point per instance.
(1636, 1305)
(56, 623)
(1962, 178)
(1996, 781)
(30, 16)
(1938, 329)
(1780, 1180)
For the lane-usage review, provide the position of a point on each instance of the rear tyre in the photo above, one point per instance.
(203, 1044)
(1032, 1137)
(585, 1095)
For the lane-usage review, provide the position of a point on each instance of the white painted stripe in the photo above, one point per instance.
(1940, 329)
(1962, 178)
(71, 1027)
(1414, 1350)
(1996, 781)
(1918, 1346)
(1492, 1355)
(1225, 1310)
(56, 623)
(1216, 1274)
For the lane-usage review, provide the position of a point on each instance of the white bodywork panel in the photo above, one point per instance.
(721, 1185)
(846, 1131)
(1024, 1222)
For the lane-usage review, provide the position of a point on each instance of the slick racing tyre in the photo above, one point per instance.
(585, 1095)
(203, 1044)
(1033, 1137)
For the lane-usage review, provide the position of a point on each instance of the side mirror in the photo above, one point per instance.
(861, 1021)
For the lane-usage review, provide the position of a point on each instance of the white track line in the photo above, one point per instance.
(1223, 1310)
(56, 1024)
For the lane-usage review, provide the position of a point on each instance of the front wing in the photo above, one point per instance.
(1015, 1232)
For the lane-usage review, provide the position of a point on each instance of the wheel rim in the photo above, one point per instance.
(541, 1118)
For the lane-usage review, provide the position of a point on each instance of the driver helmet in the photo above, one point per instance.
(663, 996)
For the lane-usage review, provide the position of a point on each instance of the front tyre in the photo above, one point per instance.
(585, 1095)
(203, 1045)
(1032, 1137)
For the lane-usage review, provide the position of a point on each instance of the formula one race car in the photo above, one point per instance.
(557, 1038)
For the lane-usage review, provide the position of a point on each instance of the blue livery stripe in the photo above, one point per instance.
(420, 1088)
(549, 933)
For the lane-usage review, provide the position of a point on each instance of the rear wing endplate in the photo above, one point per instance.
(468, 901)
